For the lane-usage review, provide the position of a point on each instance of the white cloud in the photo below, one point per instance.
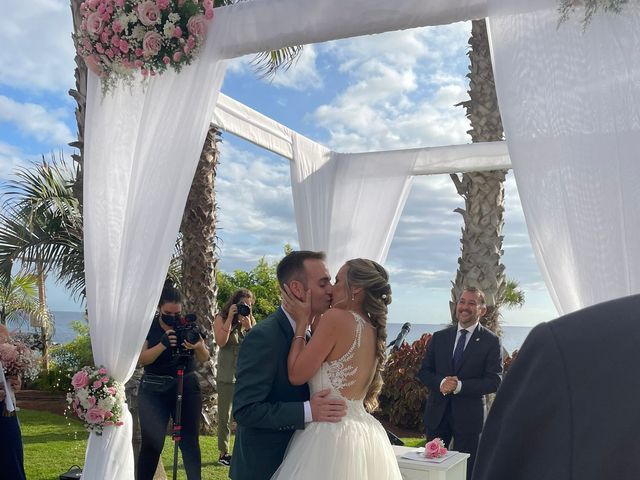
(46, 126)
(401, 92)
(10, 159)
(302, 75)
(37, 51)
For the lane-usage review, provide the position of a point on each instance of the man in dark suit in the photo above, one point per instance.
(569, 405)
(266, 407)
(462, 364)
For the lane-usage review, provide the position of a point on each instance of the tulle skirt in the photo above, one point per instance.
(356, 448)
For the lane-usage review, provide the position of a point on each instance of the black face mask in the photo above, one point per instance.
(170, 320)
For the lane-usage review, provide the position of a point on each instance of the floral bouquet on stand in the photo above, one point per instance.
(435, 449)
(97, 399)
(119, 37)
(18, 360)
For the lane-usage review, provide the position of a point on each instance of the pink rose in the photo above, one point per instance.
(105, 379)
(81, 379)
(208, 13)
(148, 13)
(92, 401)
(95, 415)
(117, 28)
(124, 46)
(177, 56)
(162, 4)
(434, 449)
(119, 3)
(431, 448)
(102, 371)
(166, 60)
(138, 52)
(177, 32)
(151, 44)
(197, 26)
(104, 37)
(98, 383)
(94, 24)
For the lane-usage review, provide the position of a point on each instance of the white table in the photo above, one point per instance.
(453, 468)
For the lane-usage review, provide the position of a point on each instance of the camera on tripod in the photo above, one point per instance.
(186, 328)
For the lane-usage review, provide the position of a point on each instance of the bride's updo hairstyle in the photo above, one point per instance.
(374, 281)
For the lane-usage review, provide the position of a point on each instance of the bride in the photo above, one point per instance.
(345, 354)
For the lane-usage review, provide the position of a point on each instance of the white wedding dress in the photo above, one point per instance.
(356, 448)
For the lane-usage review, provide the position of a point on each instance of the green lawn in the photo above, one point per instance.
(53, 443)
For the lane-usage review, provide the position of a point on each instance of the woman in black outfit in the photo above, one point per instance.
(158, 388)
(11, 453)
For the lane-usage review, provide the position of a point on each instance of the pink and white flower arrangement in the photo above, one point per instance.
(435, 449)
(119, 37)
(18, 360)
(96, 399)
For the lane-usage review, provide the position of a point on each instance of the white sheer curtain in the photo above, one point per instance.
(141, 151)
(347, 205)
(570, 103)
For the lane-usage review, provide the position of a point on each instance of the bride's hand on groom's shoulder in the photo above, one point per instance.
(325, 408)
(300, 310)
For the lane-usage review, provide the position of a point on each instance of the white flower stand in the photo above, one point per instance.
(453, 468)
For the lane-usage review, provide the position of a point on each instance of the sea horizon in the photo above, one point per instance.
(512, 337)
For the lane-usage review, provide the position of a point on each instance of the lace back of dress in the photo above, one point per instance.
(351, 373)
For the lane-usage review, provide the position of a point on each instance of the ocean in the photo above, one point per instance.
(512, 337)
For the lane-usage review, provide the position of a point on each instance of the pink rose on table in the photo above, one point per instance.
(95, 415)
(97, 384)
(148, 13)
(435, 449)
(197, 26)
(80, 379)
(151, 44)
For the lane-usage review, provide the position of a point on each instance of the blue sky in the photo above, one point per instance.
(389, 91)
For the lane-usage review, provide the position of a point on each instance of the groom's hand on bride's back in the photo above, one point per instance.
(325, 408)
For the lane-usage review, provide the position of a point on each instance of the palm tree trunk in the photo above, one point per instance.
(80, 96)
(480, 260)
(199, 262)
(43, 313)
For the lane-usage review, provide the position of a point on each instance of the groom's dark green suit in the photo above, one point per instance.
(266, 407)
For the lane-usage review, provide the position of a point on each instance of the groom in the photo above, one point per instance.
(266, 407)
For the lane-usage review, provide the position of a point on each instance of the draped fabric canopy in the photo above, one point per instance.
(572, 130)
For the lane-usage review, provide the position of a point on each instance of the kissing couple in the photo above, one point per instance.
(301, 402)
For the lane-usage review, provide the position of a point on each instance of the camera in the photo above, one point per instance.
(186, 328)
(244, 310)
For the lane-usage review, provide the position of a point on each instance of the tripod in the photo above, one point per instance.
(177, 420)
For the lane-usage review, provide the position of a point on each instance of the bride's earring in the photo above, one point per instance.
(353, 297)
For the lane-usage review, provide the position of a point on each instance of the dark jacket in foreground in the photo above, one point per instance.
(569, 407)
(266, 407)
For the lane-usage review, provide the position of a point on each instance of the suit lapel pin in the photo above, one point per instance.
(477, 339)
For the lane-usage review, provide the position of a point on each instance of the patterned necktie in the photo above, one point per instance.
(457, 353)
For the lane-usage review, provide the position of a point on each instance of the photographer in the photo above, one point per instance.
(230, 327)
(11, 452)
(161, 356)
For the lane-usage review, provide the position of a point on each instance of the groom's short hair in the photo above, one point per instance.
(291, 267)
